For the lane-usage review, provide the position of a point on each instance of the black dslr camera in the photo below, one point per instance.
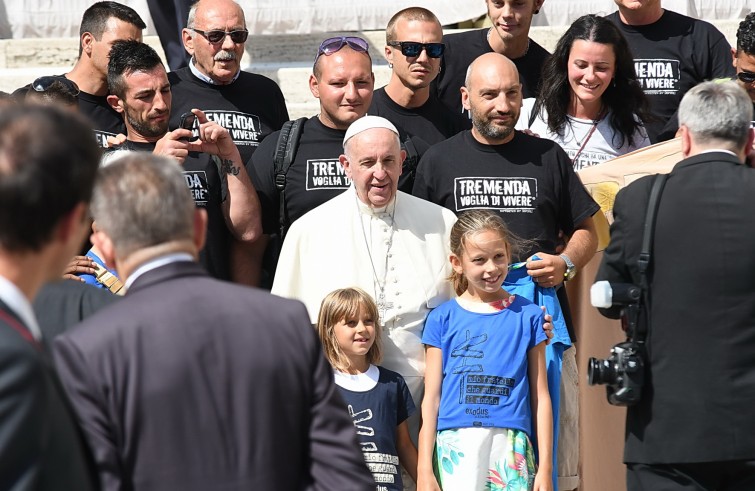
(623, 371)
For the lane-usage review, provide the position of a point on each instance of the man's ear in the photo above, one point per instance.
(346, 165)
(314, 86)
(388, 54)
(465, 98)
(86, 41)
(734, 57)
(116, 103)
(187, 36)
(686, 140)
(104, 246)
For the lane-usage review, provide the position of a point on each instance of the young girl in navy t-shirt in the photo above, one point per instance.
(485, 374)
(377, 398)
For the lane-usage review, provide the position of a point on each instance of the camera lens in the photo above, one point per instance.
(601, 372)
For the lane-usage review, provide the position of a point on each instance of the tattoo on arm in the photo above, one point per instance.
(227, 167)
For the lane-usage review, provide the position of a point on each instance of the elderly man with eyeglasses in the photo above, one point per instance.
(414, 51)
(249, 105)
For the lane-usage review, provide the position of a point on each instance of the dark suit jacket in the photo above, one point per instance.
(699, 399)
(62, 304)
(192, 383)
(41, 447)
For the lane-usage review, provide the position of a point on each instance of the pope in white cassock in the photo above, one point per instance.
(387, 242)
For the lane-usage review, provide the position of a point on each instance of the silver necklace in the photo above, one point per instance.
(382, 304)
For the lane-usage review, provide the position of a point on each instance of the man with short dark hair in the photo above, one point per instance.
(672, 53)
(213, 168)
(690, 430)
(103, 23)
(48, 163)
(414, 51)
(509, 36)
(190, 383)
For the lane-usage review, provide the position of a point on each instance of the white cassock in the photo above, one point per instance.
(327, 249)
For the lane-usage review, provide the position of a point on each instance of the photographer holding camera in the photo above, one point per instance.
(693, 425)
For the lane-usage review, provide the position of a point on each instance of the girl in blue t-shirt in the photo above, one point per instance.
(377, 398)
(485, 374)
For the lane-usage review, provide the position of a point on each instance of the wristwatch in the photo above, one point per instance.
(571, 270)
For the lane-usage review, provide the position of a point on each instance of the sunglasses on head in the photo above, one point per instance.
(746, 77)
(217, 36)
(43, 84)
(333, 45)
(412, 49)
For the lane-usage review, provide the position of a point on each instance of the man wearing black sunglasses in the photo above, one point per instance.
(248, 105)
(414, 50)
(508, 35)
(743, 56)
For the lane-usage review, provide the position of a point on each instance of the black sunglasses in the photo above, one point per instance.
(43, 84)
(218, 36)
(333, 45)
(746, 77)
(412, 49)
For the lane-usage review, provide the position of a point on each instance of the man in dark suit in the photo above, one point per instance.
(48, 162)
(189, 382)
(693, 427)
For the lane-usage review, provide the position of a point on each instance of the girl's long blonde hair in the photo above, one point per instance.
(345, 304)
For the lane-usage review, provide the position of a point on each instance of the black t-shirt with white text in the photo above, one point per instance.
(462, 48)
(432, 121)
(671, 56)
(202, 177)
(250, 108)
(529, 181)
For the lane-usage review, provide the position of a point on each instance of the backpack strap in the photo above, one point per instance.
(285, 153)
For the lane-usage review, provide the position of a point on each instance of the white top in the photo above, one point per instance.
(361, 382)
(14, 298)
(326, 250)
(601, 145)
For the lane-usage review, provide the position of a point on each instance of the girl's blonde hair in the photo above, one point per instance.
(345, 304)
(472, 222)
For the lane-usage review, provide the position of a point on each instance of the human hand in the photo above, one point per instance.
(543, 481)
(116, 141)
(547, 271)
(528, 131)
(213, 139)
(174, 144)
(80, 265)
(547, 325)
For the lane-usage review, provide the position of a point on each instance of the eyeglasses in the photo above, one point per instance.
(746, 77)
(217, 36)
(412, 49)
(43, 84)
(333, 45)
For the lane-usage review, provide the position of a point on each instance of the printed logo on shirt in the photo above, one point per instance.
(587, 159)
(658, 76)
(505, 194)
(384, 467)
(196, 180)
(245, 129)
(326, 174)
(101, 137)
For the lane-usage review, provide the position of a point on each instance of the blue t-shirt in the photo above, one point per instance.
(377, 413)
(485, 382)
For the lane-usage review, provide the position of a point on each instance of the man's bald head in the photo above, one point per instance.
(493, 95)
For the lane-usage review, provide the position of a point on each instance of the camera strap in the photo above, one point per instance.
(643, 262)
(647, 232)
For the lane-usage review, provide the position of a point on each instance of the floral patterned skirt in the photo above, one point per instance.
(477, 459)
